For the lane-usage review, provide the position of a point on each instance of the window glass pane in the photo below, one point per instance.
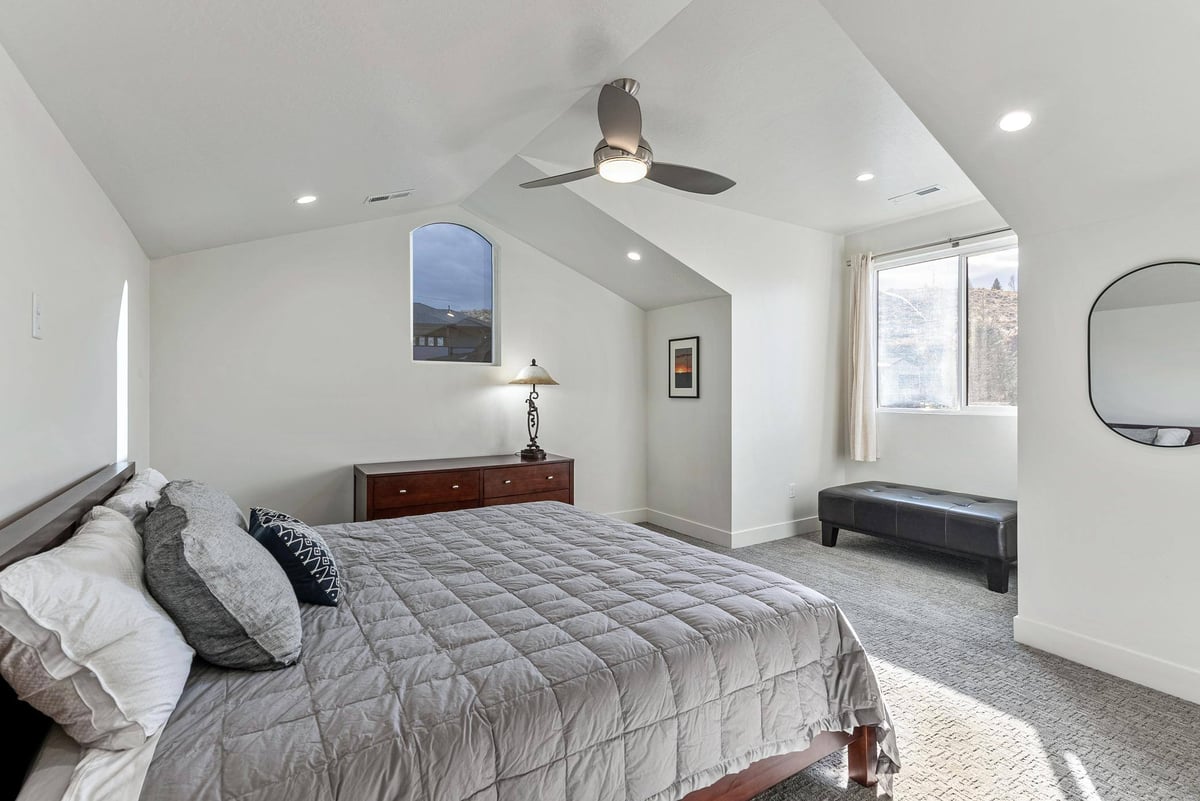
(452, 294)
(918, 335)
(992, 328)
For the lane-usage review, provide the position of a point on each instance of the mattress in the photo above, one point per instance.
(532, 651)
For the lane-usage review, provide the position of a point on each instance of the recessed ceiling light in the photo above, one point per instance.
(865, 176)
(1015, 121)
(633, 255)
(304, 200)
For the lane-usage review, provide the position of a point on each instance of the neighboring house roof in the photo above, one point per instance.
(424, 314)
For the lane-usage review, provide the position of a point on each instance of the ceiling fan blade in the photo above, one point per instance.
(554, 180)
(620, 118)
(689, 179)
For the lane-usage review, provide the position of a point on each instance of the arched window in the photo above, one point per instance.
(123, 376)
(452, 295)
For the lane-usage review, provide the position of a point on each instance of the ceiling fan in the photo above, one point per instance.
(623, 156)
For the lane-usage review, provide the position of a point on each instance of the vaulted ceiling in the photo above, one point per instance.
(1111, 86)
(203, 121)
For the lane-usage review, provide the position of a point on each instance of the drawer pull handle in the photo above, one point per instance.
(508, 481)
(403, 492)
(549, 478)
(454, 487)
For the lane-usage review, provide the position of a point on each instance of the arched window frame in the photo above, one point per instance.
(417, 332)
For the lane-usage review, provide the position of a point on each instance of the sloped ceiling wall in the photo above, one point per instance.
(565, 226)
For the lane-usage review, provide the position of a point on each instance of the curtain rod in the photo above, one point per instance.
(952, 241)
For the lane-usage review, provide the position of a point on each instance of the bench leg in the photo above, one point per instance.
(829, 534)
(997, 575)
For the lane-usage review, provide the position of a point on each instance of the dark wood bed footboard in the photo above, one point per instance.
(862, 751)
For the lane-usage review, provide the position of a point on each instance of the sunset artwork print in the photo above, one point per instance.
(684, 379)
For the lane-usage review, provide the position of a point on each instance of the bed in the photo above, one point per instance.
(517, 652)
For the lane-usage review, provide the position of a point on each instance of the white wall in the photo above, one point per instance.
(965, 452)
(1146, 364)
(787, 319)
(972, 453)
(61, 238)
(278, 364)
(1108, 537)
(959, 221)
(689, 441)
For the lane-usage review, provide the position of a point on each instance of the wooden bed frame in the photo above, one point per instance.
(55, 520)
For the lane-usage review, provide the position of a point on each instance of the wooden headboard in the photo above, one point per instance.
(39, 530)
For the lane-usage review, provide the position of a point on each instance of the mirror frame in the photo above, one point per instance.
(1092, 311)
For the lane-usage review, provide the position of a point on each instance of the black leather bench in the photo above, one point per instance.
(967, 525)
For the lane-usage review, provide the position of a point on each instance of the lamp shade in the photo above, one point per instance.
(534, 374)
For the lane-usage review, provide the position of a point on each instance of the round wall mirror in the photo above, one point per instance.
(1144, 355)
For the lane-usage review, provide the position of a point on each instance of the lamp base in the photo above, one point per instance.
(533, 454)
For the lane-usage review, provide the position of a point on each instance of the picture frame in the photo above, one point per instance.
(683, 367)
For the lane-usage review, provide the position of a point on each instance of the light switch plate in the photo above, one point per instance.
(37, 317)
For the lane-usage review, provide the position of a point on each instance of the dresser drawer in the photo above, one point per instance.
(423, 489)
(564, 496)
(526, 479)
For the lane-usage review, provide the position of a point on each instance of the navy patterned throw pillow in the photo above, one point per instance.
(301, 552)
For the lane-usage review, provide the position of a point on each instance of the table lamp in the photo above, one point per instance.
(533, 374)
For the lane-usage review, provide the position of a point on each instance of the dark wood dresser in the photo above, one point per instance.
(396, 489)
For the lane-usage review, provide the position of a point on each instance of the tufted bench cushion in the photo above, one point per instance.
(970, 525)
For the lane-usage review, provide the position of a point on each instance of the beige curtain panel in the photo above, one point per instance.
(861, 400)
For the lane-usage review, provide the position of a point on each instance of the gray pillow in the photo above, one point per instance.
(1145, 435)
(228, 595)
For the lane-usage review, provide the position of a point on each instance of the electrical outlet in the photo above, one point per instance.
(791, 490)
(37, 317)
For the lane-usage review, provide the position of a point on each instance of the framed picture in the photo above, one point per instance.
(684, 364)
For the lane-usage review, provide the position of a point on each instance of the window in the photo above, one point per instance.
(947, 332)
(123, 376)
(452, 294)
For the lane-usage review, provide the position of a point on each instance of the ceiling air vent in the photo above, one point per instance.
(386, 197)
(928, 190)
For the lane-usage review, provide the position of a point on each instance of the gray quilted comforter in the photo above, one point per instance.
(524, 652)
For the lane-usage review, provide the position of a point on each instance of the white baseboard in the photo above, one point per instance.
(691, 528)
(775, 531)
(1159, 674)
(630, 515)
(719, 536)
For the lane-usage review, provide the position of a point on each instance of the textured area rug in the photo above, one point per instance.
(979, 717)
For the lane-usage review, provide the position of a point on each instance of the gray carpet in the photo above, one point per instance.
(979, 717)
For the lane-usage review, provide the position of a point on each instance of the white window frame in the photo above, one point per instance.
(961, 252)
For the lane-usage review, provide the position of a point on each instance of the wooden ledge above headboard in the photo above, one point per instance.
(49, 524)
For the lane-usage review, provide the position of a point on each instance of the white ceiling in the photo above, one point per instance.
(565, 226)
(1111, 85)
(774, 95)
(203, 120)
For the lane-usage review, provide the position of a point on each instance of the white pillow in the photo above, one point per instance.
(82, 640)
(1172, 437)
(138, 496)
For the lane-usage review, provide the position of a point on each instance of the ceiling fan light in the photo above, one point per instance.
(622, 170)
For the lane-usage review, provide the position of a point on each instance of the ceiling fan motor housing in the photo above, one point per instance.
(603, 153)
